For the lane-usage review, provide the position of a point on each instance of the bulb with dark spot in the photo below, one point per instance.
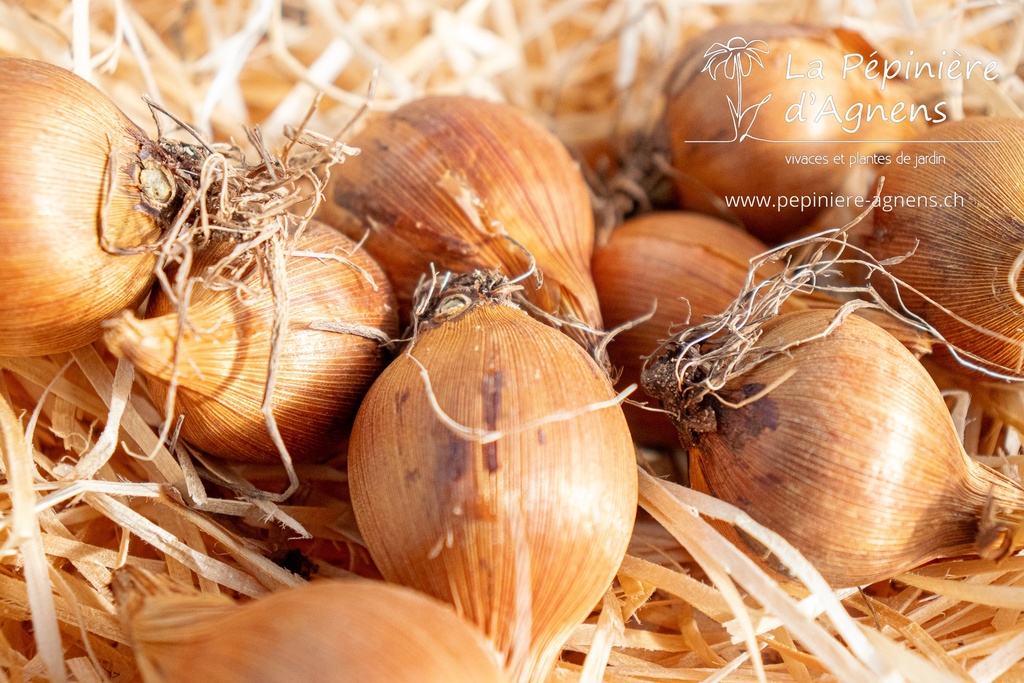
(491, 458)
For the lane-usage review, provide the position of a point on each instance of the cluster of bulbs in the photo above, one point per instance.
(491, 464)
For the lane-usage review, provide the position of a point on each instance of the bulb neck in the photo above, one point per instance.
(447, 297)
(691, 409)
(1001, 522)
(167, 172)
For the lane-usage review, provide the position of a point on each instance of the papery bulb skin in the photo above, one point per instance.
(686, 264)
(444, 180)
(329, 631)
(80, 182)
(845, 447)
(225, 351)
(531, 509)
(955, 211)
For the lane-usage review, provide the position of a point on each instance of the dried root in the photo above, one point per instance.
(260, 208)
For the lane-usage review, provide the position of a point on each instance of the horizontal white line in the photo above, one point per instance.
(894, 142)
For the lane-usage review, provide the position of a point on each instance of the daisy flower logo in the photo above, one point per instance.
(735, 60)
